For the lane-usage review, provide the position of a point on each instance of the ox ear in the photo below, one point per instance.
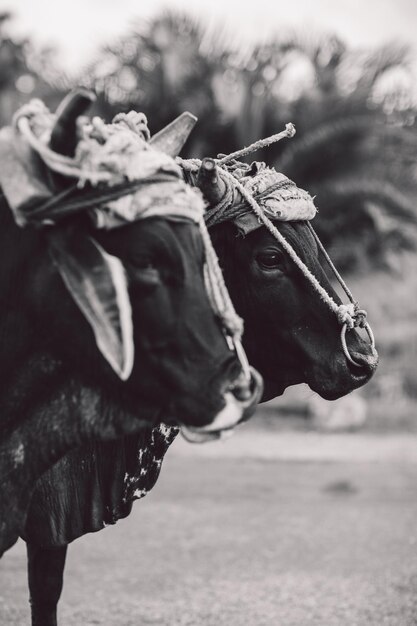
(172, 138)
(97, 282)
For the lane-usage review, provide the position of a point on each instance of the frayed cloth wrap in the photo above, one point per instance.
(106, 155)
(277, 195)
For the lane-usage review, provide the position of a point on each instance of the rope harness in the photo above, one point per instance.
(107, 183)
(348, 315)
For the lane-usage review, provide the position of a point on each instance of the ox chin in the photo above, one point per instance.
(275, 388)
(346, 377)
(240, 402)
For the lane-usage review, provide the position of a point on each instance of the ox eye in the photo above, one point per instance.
(270, 260)
(140, 262)
(142, 271)
(143, 263)
(144, 278)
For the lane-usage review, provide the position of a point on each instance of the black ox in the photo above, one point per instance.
(291, 337)
(57, 391)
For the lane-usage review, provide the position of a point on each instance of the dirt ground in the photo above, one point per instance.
(305, 530)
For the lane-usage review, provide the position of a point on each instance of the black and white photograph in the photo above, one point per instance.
(208, 313)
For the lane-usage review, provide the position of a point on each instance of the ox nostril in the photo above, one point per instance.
(242, 393)
(239, 407)
(242, 388)
(246, 391)
(367, 360)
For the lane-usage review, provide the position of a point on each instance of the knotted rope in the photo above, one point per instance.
(257, 145)
(348, 315)
(111, 163)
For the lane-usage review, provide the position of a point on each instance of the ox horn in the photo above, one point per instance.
(64, 133)
(172, 138)
(209, 181)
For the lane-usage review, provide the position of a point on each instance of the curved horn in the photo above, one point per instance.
(172, 138)
(64, 136)
(209, 181)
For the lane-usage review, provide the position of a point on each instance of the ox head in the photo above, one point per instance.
(291, 335)
(140, 283)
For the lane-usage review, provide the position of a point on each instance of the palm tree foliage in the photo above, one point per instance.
(161, 68)
(355, 147)
(358, 157)
(12, 65)
(26, 71)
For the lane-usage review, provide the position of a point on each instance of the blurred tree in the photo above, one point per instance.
(26, 72)
(355, 143)
(356, 136)
(161, 68)
(12, 67)
(12, 58)
(355, 153)
(173, 63)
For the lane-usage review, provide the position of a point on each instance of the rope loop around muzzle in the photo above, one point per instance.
(350, 316)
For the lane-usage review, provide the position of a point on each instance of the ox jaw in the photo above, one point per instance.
(241, 399)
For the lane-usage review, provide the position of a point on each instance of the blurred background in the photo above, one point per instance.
(344, 73)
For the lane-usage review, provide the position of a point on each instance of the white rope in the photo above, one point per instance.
(60, 163)
(257, 145)
(216, 288)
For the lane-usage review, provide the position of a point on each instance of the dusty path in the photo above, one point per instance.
(322, 540)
